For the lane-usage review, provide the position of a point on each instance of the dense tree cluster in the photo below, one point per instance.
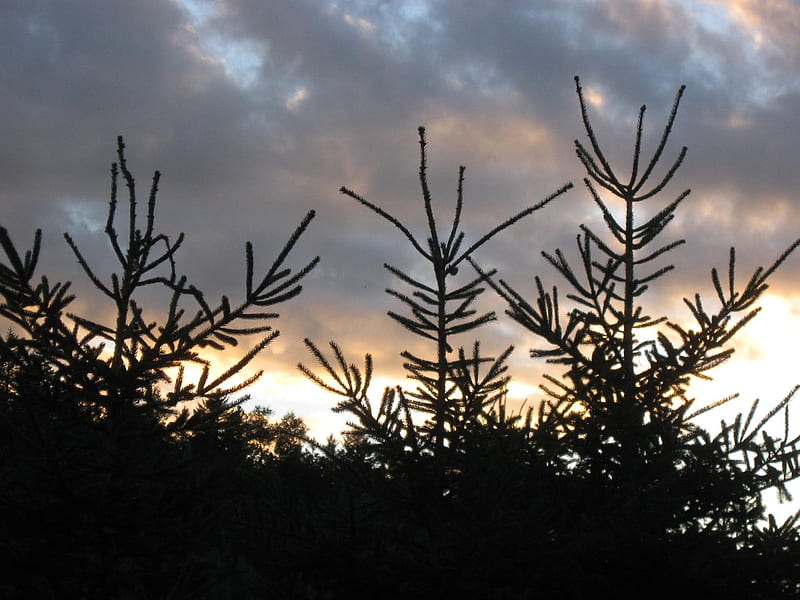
(122, 476)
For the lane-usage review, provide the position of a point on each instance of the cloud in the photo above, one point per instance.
(296, 99)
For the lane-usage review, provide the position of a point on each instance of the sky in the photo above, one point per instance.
(257, 112)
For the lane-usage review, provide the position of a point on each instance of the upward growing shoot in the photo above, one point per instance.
(450, 388)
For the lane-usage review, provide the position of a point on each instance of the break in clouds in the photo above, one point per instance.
(256, 112)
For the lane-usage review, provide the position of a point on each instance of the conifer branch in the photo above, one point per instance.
(608, 172)
(510, 221)
(388, 217)
(662, 143)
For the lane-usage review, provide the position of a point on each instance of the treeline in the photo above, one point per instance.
(122, 476)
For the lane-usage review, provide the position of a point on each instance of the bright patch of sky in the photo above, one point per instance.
(364, 26)
(409, 14)
(722, 19)
(593, 97)
(200, 10)
(712, 17)
(296, 99)
(764, 368)
(712, 21)
(242, 59)
(392, 22)
(85, 215)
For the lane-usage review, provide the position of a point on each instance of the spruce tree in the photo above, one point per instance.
(456, 389)
(428, 474)
(111, 456)
(651, 486)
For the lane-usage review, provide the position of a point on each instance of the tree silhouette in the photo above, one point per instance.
(415, 483)
(454, 388)
(623, 408)
(109, 452)
(123, 476)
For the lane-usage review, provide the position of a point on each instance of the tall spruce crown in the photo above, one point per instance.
(452, 389)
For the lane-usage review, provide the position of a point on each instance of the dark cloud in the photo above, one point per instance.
(256, 112)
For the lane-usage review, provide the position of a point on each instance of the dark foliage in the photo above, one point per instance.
(655, 487)
(121, 476)
(610, 484)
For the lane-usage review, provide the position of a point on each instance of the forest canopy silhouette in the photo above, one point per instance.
(130, 468)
